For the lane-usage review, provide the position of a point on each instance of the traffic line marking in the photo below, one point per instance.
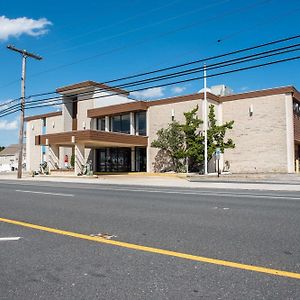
(46, 193)
(157, 250)
(10, 238)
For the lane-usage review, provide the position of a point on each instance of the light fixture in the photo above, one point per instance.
(251, 110)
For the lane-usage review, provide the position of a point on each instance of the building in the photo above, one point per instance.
(105, 126)
(9, 158)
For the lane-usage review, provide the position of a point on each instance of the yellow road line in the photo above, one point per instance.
(157, 250)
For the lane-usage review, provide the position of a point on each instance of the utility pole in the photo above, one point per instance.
(24, 54)
(205, 120)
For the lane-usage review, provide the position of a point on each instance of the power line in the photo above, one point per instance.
(189, 63)
(217, 17)
(190, 71)
(119, 23)
(193, 11)
(209, 67)
(186, 80)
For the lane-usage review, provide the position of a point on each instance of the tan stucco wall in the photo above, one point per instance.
(261, 140)
(160, 116)
(54, 124)
(33, 152)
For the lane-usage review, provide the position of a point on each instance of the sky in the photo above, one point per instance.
(105, 40)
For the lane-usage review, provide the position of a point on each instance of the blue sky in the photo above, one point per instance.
(103, 40)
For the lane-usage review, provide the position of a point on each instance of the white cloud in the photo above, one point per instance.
(244, 88)
(149, 93)
(177, 89)
(8, 125)
(24, 25)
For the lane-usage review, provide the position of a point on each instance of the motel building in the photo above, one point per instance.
(104, 127)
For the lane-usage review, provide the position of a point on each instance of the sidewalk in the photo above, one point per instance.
(272, 182)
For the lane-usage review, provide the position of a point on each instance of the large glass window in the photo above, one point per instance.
(140, 123)
(113, 160)
(101, 124)
(120, 123)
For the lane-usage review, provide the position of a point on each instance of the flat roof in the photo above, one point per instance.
(90, 83)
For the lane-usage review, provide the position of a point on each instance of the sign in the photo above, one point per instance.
(218, 153)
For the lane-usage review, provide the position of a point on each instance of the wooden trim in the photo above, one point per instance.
(48, 115)
(296, 95)
(91, 135)
(90, 83)
(262, 93)
(117, 109)
(197, 96)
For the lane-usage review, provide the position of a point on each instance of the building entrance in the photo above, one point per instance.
(113, 160)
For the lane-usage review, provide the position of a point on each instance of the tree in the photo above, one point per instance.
(1, 148)
(170, 141)
(194, 146)
(216, 134)
(186, 141)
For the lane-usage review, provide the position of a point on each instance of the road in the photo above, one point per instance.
(165, 243)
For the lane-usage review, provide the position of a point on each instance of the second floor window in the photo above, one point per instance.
(140, 123)
(101, 124)
(120, 123)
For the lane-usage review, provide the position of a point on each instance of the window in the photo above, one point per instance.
(101, 124)
(140, 123)
(120, 123)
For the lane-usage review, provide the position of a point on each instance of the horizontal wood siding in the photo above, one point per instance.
(117, 109)
(48, 115)
(92, 135)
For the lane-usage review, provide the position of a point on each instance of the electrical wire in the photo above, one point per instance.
(217, 17)
(187, 63)
(54, 100)
(187, 80)
(191, 71)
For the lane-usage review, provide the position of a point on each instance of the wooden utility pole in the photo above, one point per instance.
(24, 54)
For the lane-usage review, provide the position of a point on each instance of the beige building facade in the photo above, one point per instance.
(103, 127)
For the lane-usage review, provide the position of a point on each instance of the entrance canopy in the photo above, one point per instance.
(92, 138)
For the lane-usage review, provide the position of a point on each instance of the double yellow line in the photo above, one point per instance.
(156, 250)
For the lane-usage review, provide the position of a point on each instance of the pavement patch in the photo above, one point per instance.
(157, 250)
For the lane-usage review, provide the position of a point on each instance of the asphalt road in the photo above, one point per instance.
(250, 228)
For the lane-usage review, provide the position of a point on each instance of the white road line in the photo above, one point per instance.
(200, 193)
(10, 238)
(45, 193)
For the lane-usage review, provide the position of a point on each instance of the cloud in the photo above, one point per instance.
(177, 89)
(8, 125)
(24, 25)
(149, 93)
(244, 88)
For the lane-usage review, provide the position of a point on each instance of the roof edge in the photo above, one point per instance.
(90, 83)
(261, 93)
(47, 115)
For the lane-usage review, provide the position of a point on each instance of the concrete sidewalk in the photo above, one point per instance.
(274, 182)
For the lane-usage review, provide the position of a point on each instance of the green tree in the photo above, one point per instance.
(194, 140)
(1, 148)
(186, 141)
(171, 141)
(216, 134)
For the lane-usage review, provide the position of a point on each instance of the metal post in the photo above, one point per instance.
(24, 54)
(205, 120)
